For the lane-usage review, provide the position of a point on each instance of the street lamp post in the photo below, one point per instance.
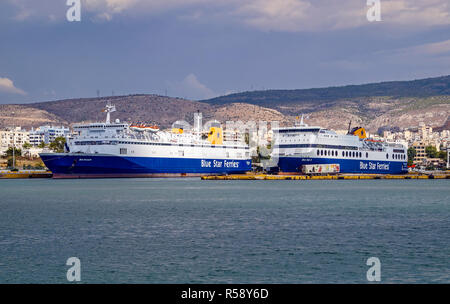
(448, 157)
(14, 144)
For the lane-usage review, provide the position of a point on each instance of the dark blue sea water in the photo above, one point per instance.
(193, 231)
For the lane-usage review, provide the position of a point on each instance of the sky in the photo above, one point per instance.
(198, 49)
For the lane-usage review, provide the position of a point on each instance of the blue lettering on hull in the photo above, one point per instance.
(293, 164)
(78, 165)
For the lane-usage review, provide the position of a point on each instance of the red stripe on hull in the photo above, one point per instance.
(146, 175)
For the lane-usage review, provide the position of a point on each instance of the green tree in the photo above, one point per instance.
(442, 155)
(9, 152)
(411, 154)
(10, 164)
(27, 145)
(431, 151)
(42, 145)
(58, 144)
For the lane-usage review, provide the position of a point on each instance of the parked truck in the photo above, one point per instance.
(321, 169)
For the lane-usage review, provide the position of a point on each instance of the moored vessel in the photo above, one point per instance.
(115, 149)
(298, 148)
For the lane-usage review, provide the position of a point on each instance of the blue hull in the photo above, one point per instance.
(92, 166)
(293, 164)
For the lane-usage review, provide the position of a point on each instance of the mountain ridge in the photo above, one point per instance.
(427, 87)
(376, 112)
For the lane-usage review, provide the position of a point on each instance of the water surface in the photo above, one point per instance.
(193, 231)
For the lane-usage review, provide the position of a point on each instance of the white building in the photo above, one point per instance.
(51, 133)
(46, 134)
(36, 137)
(13, 137)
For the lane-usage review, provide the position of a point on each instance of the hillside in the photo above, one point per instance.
(27, 117)
(378, 106)
(397, 104)
(421, 88)
(133, 108)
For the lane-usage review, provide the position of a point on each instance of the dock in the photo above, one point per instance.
(25, 174)
(323, 177)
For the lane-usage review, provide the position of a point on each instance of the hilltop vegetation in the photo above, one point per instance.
(395, 89)
(385, 105)
(379, 106)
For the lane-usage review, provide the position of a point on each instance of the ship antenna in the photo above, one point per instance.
(349, 126)
(109, 109)
(302, 123)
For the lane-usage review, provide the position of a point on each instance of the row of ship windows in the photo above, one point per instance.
(315, 146)
(89, 143)
(355, 154)
(124, 151)
(100, 126)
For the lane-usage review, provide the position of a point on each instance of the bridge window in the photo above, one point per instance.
(318, 152)
(367, 154)
(387, 156)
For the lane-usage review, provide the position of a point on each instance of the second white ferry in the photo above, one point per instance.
(302, 146)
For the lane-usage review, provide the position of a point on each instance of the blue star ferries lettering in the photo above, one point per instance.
(231, 164)
(219, 164)
(373, 166)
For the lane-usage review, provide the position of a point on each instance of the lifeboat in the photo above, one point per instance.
(144, 127)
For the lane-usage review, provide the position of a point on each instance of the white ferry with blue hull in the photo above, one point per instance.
(122, 150)
(302, 145)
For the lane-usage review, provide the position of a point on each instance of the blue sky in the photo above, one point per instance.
(202, 48)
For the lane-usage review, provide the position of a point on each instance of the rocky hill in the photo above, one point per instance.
(380, 106)
(133, 108)
(27, 117)
(397, 104)
(420, 88)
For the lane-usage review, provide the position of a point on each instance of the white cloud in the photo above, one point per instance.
(431, 58)
(416, 12)
(190, 87)
(266, 15)
(274, 14)
(434, 48)
(7, 86)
